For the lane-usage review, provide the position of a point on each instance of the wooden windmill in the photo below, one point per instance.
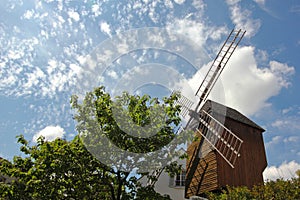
(215, 140)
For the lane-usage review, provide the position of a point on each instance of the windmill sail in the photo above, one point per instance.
(213, 134)
(225, 142)
(210, 78)
(185, 104)
(219, 64)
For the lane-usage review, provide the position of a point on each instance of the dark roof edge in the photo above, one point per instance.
(230, 113)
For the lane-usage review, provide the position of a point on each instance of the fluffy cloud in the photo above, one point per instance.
(286, 170)
(74, 15)
(291, 123)
(295, 9)
(243, 80)
(292, 139)
(179, 1)
(105, 28)
(197, 32)
(242, 18)
(260, 2)
(50, 133)
(112, 74)
(274, 141)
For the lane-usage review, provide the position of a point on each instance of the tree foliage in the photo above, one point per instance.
(66, 170)
(279, 190)
(126, 124)
(63, 169)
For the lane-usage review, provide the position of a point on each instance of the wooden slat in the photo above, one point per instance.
(210, 181)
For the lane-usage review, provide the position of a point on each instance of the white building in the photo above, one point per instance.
(172, 186)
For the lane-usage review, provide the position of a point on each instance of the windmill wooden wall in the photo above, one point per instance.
(217, 173)
(205, 177)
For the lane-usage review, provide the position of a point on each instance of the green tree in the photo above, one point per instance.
(98, 123)
(279, 190)
(55, 170)
(68, 170)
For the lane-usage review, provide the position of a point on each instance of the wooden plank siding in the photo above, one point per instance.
(248, 168)
(205, 177)
(252, 162)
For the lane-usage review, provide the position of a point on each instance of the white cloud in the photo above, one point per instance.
(74, 15)
(112, 74)
(287, 110)
(243, 79)
(262, 56)
(28, 14)
(291, 123)
(96, 9)
(169, 4)
(179, 1)
(282, 70)
(199, 5)
(197, 32)
(242, 18)
(285, 171)
(190, 29)
(14, 55)
(75, 69)
(262, 5)
(105, 28)
(279, 123)
(275, 140)
(7, 81)
(291, 139)
(260, 2)
(232, 2)
(34, 78)
(153, 15)
(50, 133)
(295, 9)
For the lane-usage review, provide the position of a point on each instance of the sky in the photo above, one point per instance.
(49, 49)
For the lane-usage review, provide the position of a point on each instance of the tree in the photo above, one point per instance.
(114, 132)
(279, 189)
(68, 170)
(55, 170)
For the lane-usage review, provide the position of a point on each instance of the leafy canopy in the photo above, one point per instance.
(131, 132)
(79, 169)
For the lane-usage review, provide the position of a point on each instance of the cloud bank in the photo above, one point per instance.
(286, 170)
(50, 133)
(248, 86)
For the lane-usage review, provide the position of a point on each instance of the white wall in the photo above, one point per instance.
(162, 187)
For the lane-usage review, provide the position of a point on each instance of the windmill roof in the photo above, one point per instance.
(220, 109)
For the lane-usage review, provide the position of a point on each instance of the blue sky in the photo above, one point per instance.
(45, 46)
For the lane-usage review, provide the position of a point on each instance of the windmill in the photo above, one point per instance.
(212, 133)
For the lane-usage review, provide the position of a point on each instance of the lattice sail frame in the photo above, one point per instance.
(219, 64)
(226, 143)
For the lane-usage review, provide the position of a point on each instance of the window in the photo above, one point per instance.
(178, 180)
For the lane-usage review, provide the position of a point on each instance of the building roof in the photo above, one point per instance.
(219, 109)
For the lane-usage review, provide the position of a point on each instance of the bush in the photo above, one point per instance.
(279, 189)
